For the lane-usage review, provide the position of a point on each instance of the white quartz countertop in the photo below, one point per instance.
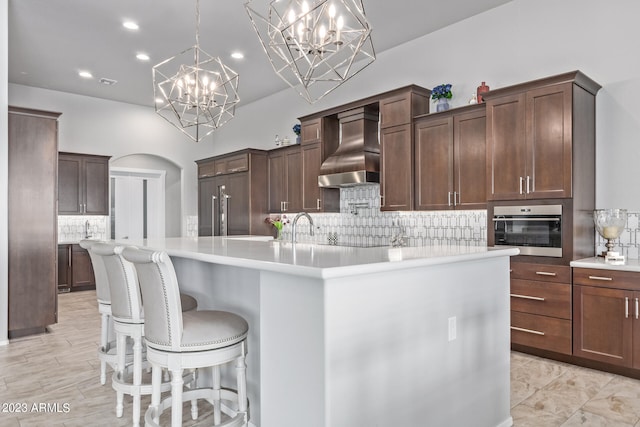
(314, 260)
(598, 262)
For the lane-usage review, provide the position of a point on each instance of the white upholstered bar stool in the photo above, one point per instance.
(189, 340)
(128, 320)
(107, 350)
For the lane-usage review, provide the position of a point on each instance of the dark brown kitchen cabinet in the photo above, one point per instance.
(242, 187)
(285, 179)
(32, 156)
(311, 131)
(64, 268)
(83, 184)
(606, 325)
(541, 138)
(75, 271)
(396, 146)
(450, 160)
(319, 140)
(396, 168)
(541, 307)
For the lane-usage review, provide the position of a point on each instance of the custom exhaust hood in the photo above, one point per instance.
(357, 159)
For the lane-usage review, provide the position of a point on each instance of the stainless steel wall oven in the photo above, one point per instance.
(535, 229)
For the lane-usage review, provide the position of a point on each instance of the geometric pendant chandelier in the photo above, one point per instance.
(194, 91)
(314, 46)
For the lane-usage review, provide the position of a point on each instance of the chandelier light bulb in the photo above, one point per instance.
(322, 33)
(332, 11)
(291, 16)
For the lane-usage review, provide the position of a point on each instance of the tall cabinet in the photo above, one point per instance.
(239, 180)
(33, 242)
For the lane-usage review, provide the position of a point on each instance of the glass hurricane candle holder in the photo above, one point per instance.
(610, 224)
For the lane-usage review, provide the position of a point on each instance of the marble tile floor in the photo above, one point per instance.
(60, 370)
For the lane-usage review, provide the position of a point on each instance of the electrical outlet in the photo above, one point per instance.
(452, 328)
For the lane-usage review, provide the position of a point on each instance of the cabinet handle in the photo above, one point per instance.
(606, 279)
(318, 204)
(521, 182)
(626, 307)
(546, 273)
(317, 133)
(528, 180)
(449, 198)
(637, 309)
(527, 297)
(69, 249)
(529, 331)
(455, 195)
(213, 215)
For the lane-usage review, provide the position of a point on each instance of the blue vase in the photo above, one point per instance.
(442, 105)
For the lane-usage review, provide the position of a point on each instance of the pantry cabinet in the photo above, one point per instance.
(541, 138)
(83, 184)
(606, 324)
(32, 153)
(450, 159)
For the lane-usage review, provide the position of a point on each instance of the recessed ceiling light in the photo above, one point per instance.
(130, 25)
(142, 57)
(85, 74)
(237, 55)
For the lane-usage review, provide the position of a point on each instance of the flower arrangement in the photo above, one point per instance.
(278, 223)
(297, 129)
(441, 91)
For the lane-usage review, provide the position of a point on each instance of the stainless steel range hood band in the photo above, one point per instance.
(347, 179)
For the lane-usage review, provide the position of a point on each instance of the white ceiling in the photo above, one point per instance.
(51, 40)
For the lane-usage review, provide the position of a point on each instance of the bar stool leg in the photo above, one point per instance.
(104, 342)
(176, 396)
(137, 377)
(194, 403)
(156, 383)
(216, 395)
(121, 349)
(241, 374)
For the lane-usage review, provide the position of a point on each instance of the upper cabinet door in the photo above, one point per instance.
(549, 137)
(434, 163)
(396, 168)
(69, 185)
(506, 156)
(469, 136)
(96, 172)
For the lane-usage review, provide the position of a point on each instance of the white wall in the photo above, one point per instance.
(4, 176)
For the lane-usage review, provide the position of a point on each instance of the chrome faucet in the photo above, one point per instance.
(295, 221)
(86, 230)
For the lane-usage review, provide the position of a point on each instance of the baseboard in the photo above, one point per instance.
(506, 423)
(4, 342)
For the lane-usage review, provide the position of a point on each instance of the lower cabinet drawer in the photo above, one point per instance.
(546, 333)
(547, 299)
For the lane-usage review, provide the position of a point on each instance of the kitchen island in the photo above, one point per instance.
(349, 337)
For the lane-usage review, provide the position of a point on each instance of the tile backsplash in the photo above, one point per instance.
(71, 228)
(361, 223)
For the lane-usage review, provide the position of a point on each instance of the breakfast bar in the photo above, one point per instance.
(344, 336)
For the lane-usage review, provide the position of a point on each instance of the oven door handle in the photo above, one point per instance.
(524, 218)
